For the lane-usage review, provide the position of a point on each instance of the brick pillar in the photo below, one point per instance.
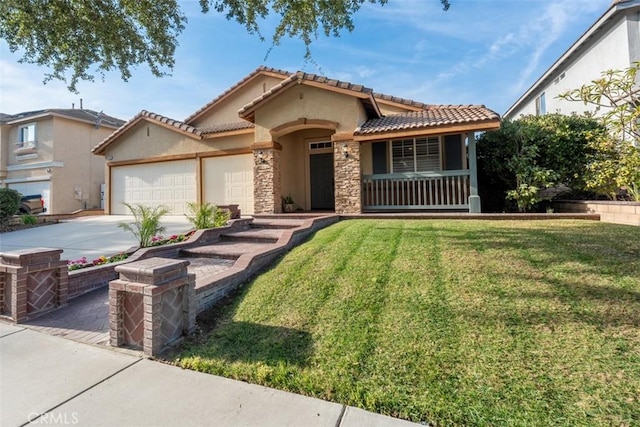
(152, 304)
(32, 282)
(348, 175)
(267, 190)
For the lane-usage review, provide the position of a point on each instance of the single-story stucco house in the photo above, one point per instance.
(330, 145)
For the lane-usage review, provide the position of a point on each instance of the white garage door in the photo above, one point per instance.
(171, 184)
(229, 180)
(37, 187)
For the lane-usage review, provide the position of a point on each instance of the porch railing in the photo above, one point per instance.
(419, 190)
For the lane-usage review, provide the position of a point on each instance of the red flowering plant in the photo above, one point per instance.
(85, 263)
(175, 238)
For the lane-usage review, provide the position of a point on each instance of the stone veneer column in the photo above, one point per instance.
(347, 174)
(267, 190)
(152, 304)
(32, 282)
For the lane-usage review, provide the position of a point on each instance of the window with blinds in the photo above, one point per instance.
(416, 155)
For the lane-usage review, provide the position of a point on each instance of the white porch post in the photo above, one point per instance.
(474, 198)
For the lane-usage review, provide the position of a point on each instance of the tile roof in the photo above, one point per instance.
(435, 115)
(403, 101)
(226, 127)
(73, 113)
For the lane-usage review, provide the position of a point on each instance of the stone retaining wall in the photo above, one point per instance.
(615, 212)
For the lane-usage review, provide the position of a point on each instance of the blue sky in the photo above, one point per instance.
(479, 52)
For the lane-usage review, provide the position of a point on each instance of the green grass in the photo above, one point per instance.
(447, 322)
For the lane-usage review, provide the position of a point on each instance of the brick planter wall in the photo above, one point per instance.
(87, 279)
(152, 304)
(32, 282)
(615, 212)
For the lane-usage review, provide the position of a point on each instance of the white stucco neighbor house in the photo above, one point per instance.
(330, 145)
(611, 43)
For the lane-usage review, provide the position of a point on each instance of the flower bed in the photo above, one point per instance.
(155, 241)
(85, 263)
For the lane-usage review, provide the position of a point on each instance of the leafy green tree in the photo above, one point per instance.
(70, 36)
(9, 204)
(146, 222)
(615, 162)
(526, 155)
(530, 178)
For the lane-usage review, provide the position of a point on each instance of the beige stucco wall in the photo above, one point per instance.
(366, 159)
(227, 110)
(4, 149)
(311, 103)
(76, 185)
(148, 139)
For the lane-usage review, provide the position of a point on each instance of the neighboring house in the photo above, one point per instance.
(48, 152)
(611, 43)
(330, 145)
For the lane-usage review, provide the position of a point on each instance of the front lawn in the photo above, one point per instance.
(445, 322)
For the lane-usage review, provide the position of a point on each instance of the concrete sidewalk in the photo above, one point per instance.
(53, 381)
(85, 236)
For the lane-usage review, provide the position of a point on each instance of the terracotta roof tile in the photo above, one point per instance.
(435, 115)
(403, 101)
(226, 127)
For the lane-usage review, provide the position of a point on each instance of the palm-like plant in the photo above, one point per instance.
(206, 215)
(146, 222)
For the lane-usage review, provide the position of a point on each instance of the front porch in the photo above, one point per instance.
(444, 190)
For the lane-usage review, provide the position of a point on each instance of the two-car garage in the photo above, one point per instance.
(223, 180)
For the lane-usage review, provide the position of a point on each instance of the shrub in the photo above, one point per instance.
(29, 219)
(146, 222)
(9, 204)
(206, 215)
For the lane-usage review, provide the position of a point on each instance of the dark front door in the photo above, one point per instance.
(321, 174)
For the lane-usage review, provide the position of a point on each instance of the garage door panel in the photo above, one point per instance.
(229, 180)
(170, 184)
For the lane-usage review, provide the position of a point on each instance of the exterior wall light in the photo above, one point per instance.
(345, 153)
(260, 156)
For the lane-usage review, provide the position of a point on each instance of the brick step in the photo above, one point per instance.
(254, 235)
(277, 224)
(224, 250)
(289, 216)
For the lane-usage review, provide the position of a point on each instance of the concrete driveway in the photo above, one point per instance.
(86, 236)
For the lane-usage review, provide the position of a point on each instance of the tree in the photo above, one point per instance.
(533, 152)
(9, 204)
(615, 163)
(71, 36)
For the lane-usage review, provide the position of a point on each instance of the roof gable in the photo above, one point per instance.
(260, 71)
(144, 115)
(300, 78)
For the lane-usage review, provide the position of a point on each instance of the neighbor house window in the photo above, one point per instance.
(27, 135)
(415, 155)
(541, 105)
